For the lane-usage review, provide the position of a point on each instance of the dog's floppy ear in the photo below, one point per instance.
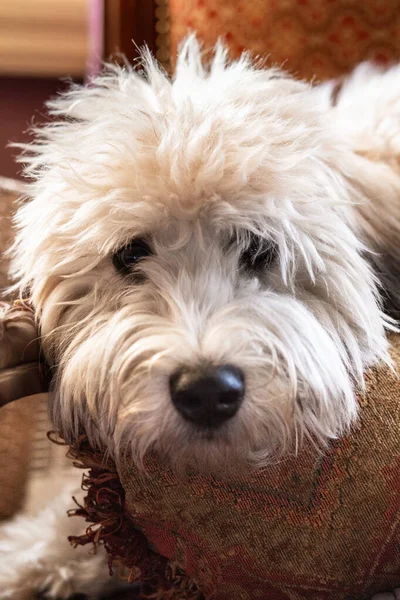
(364, 114)
(377, 178)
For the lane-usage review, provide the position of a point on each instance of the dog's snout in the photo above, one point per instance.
(207, 396)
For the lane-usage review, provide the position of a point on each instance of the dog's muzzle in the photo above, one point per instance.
(207, 396)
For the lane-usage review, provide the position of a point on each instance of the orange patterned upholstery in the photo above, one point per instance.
(322, 38)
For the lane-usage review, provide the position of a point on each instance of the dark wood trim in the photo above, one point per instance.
(129, 24)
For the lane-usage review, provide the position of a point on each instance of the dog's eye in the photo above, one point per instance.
(259, 254)
(129, 256)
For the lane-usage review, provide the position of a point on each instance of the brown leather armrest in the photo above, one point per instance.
(19, 339)
(22, 380)
(21, 371)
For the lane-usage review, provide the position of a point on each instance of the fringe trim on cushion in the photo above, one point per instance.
(111, 526)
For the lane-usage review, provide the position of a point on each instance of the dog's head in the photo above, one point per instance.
(191, 251)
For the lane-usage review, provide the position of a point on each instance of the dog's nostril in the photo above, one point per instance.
(207, 396)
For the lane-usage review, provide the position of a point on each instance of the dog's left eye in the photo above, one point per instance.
(259, 254)
(129, 256)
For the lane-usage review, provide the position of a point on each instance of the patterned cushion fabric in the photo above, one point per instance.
(322, 526)
(322, 38)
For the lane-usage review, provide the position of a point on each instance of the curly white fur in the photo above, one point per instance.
(197, 165)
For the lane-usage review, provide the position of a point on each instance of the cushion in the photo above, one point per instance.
(319, 526)
(310, 38)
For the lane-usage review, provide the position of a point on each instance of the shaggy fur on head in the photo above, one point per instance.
(271, 214)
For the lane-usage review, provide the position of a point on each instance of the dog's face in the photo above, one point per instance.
(191, 252)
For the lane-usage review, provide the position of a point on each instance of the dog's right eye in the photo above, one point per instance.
(126, 259)
(259, 254)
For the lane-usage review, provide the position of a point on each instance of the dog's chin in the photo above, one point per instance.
(208, 453)
(226, 451)
(214, 456)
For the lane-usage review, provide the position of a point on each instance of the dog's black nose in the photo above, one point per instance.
(207, 396)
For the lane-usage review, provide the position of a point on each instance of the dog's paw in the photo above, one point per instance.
(37, 559)
(33, 569)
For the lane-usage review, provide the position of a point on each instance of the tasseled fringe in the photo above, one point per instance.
(111, 526)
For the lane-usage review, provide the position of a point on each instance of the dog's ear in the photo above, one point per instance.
(375, 188)
(364, 117)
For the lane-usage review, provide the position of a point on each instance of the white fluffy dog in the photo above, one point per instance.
(207, 257)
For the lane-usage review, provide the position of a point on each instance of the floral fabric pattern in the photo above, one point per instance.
(311, 38)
